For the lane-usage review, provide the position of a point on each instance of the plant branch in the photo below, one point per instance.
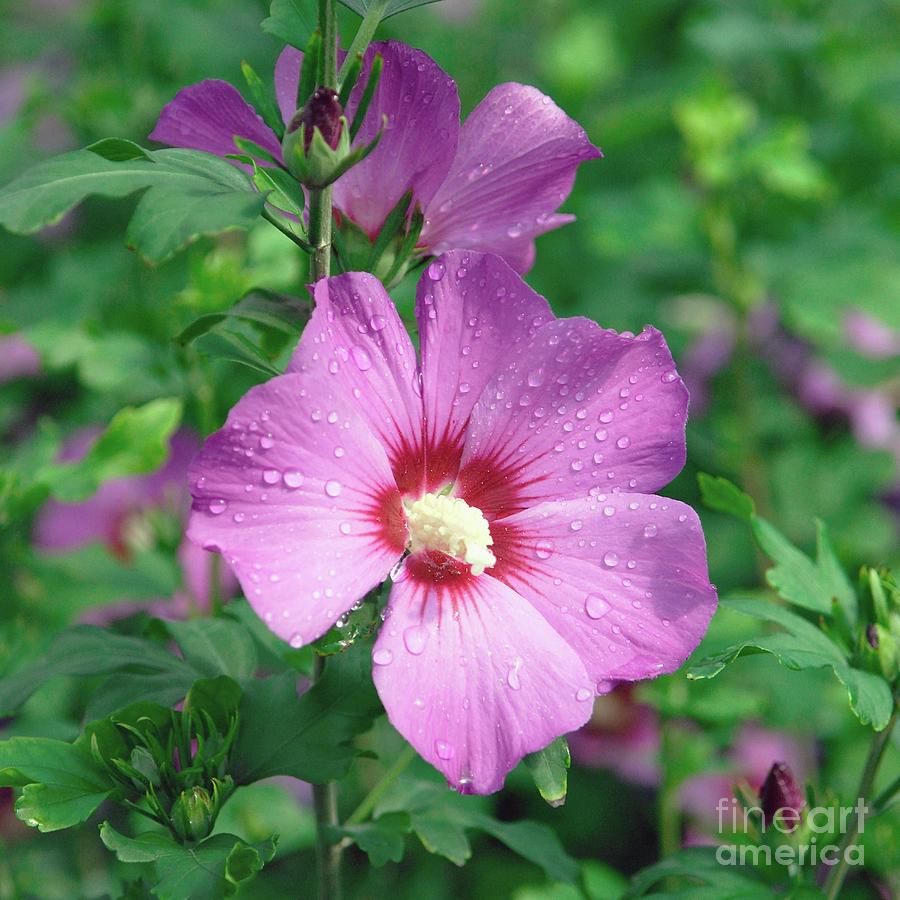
(836, 875)
(370, 801)
(364, 36)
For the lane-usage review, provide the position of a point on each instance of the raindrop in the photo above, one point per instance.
(543, 549)
(377, 323)
(271, 476)
(296, 640)
(332, 488)
(292, 478)
(611, 559)
(415, 638)
(382, 657)
(344, 528)
(361, 358)
(217, 507)
(650, 530)
(623, 442)
(436, 270)
(595, 606)
(512, 676)
(443, 749)
(583, 694)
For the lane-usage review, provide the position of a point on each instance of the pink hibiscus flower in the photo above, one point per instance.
(504, 481)
(492, 184)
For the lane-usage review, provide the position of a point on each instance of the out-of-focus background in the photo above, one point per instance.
(748, 205)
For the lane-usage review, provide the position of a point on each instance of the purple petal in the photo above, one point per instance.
(623, 578)
(474, 678)
(356, 342)
(287, 81)
(578, 410)
(207, 116)
(18, 359)
(474, 312)
(299, 497)
(516, 163)
(417, 148)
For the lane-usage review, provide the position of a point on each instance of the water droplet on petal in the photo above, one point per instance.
(377, 323)
(271, 476)
(443, 749)
(611, 560)
(583, 694)
(415, 638)
(296, 640)
(543, 549)
(623, 442)
(361, 358)
(512, 676)
(218, 506)
(596, 606)
(650, 530)
(382, 657)
(436, 270)
(332, 488)
(292, 478)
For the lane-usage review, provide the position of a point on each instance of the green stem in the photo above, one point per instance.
(370, 801)
(835, 879)
(320, 232)
(328, 853)
(286, 230)
(328, 27)
(364, 36)
(669, 811)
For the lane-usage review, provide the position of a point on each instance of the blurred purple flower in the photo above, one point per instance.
(870, 337)
(18, 359)
(114, 516)
(504, 481)
(622, 736)
(492, 184)
(748, 760)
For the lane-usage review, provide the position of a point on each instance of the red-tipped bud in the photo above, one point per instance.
(781, 795)
(322, 111)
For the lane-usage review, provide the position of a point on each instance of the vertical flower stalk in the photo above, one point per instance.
(328, 854)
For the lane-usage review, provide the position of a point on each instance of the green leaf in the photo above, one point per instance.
(215, 647)
(392, 7)
(86, 650)
(795, 576)
(440, 819)
(284, 190)
(190, 194)
(383, 839)
(802, 646)
(263, 99)
(292, 21)
(720, 494)
(119, 150)
(309, 736)
(833, 576)
(136, 441)
(550, 770)
(698, 865)
(218, 697)
(286, 314)
(62, 783)
(214, 868)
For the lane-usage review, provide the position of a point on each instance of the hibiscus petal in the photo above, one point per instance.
(298, 496)
(287, 81)
(207, 116)
(516, 162)
(577, 411)
(464, 340)
(474, 678)
(356, 339)
(623, 578)
(417, 148)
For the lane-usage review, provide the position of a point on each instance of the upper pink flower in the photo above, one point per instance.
(492, 184)
(511, 468)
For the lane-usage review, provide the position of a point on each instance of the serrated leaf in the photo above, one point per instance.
(834, 578)
(135, 442)
(286, 314)
(802, 646)
(391, 8)
(307, 736)
(383, 839)
(212, 869)
(720, 494)
(86, 650)
(292, 21)
(189, 194)
(440, 819)
(550, 770)
(215, 647)
(795, 576)
(62, 783)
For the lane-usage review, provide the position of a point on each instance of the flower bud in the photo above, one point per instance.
(194, 814)
(322, 111)
(781, 795)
